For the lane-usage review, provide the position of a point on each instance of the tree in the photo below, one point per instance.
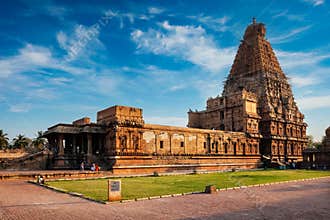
(310, 140)
(20, 142)
(319, 144)
(3, 140)
(315, 144)
(39, 142)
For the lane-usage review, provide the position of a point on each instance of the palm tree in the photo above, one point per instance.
(20, 142)
(39, 142)
(3, 140)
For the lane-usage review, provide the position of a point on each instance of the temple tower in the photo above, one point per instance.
(257, 70)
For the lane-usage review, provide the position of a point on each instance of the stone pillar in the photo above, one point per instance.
(184, 143)
(258, 146)
(99, 143)
(196, 150)
(130, 147)
(89, 148)
(74, 145)
(52, 143)
(156, 138)
(82, 144)
(141, 148)
(170, 137)
(60, 145)
(115, 148)
(108, 143)
(221, 147)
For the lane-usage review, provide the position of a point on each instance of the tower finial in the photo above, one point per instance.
(254, 21)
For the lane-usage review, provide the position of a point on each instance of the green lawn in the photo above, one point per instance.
(138, 187)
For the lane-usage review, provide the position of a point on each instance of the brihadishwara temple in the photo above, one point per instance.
(255, 121)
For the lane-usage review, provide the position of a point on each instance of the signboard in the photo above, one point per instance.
(115, 186)
(114, 190)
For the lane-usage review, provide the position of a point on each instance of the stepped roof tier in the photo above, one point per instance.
(257, 70)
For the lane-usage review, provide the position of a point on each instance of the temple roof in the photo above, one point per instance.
(257, 70)
(255, 53)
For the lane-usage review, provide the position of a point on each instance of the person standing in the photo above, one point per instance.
(82, 166)
(93, 167)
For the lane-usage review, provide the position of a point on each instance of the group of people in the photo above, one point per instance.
(94, 167)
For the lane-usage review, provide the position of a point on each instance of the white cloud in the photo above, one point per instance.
(155, 10)
(314, 2)
(217, 24)
(294, 59)
(131, 17)
(57, 11)
(59, 80)
(31, 75)
(105, 84)
(104, 81)
(40, 94)
(35, 54)
(24, 107)
(304, 68)
(177, 87)
(81, 42)
(152, 76)
(168, 81)
(151, 13)
(301, 81)
(62, 40)
(288, 36)
(23, 92)
(143, 17)
(28, 58)
(290, 17)
(45, 8)
(208, 88)
(186, 42)
(33, 58)
(314, 102)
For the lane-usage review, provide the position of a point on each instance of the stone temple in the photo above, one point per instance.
(255, 121)
(318, 158)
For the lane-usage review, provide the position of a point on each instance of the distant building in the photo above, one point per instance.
(256, 118)
(318, 158)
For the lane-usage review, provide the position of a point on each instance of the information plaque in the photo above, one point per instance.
(114, 190)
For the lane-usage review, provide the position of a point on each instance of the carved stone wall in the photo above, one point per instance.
(168, 140)
(120, 115)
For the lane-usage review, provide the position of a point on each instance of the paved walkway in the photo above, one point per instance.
(297, 200)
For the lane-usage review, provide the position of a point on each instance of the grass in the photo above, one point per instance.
(139, 187)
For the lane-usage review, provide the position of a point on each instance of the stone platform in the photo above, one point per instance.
(52, 174)
(134, 165)
(122, 166)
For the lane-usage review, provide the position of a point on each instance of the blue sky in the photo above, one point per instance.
(60, 60)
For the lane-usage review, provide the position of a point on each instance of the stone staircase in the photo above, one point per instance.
(274, 162)
(36, 161)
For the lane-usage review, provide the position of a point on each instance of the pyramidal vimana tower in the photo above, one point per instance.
(257, 99)
(254, 122)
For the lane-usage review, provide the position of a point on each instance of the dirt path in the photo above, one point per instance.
(298, 200)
